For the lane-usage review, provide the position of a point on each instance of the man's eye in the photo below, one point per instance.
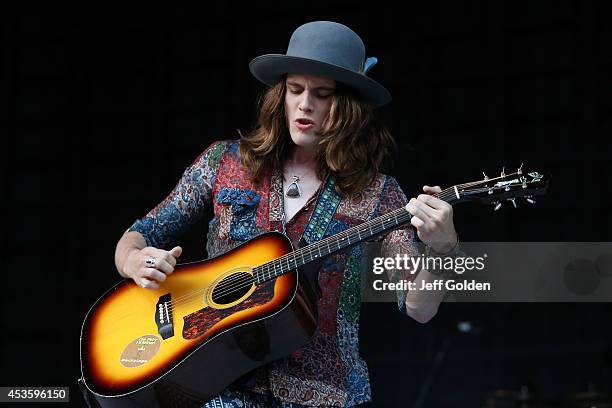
(295, 91)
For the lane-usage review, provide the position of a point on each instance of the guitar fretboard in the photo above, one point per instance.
(329, 245)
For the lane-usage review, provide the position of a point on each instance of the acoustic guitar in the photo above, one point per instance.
(212, 321)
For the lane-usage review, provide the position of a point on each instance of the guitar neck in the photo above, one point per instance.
(488, 191)
(342, 240)
(329, 245)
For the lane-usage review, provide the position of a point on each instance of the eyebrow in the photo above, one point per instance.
(318, 88)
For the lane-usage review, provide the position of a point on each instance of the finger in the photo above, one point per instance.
(153, 274)
(431, 190)
(424, 211)
(432, 202)
(176, 251)
(147, 283)
(417, 222)
(416, 211)
(149, 253)
(164, 266)
(162, 256)
(173, 255)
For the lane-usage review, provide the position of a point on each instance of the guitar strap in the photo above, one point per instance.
(320, 219)
(323, 213)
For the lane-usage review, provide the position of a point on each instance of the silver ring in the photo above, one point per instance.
(150, 261)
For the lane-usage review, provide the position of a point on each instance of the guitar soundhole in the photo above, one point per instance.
(232, 287)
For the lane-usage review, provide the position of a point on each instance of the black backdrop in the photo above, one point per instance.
(104, 105)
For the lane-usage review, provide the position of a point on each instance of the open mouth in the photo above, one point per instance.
(304, 124)
(304, 121)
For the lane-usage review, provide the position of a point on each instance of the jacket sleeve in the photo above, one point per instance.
(399, 241)
(185, 205)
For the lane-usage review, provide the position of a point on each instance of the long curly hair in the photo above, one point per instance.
(354, 145)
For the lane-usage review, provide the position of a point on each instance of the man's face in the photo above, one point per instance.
(307, 103)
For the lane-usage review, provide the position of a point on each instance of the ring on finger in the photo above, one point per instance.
(150, 261)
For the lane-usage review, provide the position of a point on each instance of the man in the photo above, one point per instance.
(317, 145)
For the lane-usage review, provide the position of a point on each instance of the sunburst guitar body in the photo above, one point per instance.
(209, 323)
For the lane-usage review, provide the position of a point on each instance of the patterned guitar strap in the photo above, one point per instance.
(320, 219)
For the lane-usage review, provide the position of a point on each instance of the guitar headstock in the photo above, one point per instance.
(505, 187)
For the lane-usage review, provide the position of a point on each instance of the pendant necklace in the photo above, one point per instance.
(293, 191)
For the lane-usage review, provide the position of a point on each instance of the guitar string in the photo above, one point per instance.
(262, 271)
(277, 263)
(274, 265)
(299, 252)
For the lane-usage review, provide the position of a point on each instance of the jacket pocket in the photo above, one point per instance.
(239, 208)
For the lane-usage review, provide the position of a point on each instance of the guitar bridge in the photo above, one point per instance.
(163, 316)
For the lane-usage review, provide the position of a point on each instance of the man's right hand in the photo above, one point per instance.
(150, 274)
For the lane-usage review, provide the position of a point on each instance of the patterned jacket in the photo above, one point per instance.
(328, 371)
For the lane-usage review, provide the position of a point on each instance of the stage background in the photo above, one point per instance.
(105, 105)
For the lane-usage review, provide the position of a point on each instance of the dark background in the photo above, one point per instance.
(105, 105)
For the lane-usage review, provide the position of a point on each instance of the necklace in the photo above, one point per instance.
(294, 191)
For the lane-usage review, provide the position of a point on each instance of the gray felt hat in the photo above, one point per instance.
(327, 49)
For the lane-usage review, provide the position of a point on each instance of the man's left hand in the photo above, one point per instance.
(433, 219)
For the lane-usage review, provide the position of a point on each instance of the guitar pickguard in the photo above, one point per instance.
(198, 323)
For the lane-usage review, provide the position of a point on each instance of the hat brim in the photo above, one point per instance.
(270, 67)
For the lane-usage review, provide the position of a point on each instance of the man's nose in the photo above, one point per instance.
(306, 102)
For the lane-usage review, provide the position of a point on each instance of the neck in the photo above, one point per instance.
(303, 157)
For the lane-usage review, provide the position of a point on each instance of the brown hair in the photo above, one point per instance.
(354, 145)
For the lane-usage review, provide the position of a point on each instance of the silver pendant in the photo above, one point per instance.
(293, 191)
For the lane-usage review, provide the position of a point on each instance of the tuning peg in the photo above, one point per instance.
(485, 176)
(503, 173)
(497, 205)
(520, 169)
(530, 200)
(513, 201)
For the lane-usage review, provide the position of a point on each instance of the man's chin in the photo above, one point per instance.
(304, 139)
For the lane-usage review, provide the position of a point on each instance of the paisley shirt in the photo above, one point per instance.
(328, 371)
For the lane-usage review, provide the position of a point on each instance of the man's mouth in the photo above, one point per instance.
(304, 123)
